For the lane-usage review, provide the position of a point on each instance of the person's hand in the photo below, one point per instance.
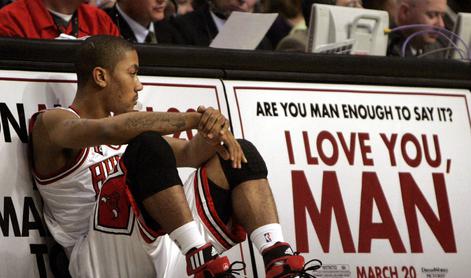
(215, 128)
(231, 150)
(212, 124)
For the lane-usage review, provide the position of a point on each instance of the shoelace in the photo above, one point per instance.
(233, 270)
(310, 266)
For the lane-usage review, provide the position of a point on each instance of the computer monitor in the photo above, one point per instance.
(337, 29)
(463, 29)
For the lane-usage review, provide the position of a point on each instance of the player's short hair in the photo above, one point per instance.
(99, 51)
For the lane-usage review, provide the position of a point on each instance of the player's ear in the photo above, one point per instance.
(100, 77)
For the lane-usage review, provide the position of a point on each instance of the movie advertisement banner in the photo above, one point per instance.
(373, 181)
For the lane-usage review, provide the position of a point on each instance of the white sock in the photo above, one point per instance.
(187, 237)
(266, 236)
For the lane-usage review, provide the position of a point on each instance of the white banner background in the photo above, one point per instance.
(26, 91)
(258, 115)
(268, 130)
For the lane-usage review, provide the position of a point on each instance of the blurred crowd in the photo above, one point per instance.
(197, 22)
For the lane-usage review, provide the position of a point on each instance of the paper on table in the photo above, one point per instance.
(243, 30)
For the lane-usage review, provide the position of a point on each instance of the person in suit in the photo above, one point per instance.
(201, 26)
(428, 12)
(142, 21)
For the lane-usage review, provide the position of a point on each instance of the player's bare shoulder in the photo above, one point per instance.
(47, 123)
(48, 156)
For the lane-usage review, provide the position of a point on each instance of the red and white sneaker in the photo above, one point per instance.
(281, 262)
(205, 262)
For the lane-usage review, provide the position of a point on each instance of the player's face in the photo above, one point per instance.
(430, 12)
(124, 84)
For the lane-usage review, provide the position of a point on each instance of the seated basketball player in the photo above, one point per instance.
(118, 226)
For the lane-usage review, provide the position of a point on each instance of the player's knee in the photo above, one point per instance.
(151, 165)
(255, 168)
(152, 147)
(147, 137)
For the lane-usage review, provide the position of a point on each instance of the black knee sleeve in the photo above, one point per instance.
(151, 165)
(255, 168)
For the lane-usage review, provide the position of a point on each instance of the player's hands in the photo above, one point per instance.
(212, 124)
(231, 150)
(215, 128)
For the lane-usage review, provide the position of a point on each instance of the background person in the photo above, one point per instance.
(143, 21)
(201, 26)
(48, 19)
(408, 12)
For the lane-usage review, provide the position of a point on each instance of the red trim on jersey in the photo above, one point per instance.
(199, 208)
(74, 109)
(32, 120)
(64, 171)
(210, 206)
(144, 236)
(114, 147)
(141, 226)
(240, 233)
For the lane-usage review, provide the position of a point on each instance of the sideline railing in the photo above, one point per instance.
(170, 60)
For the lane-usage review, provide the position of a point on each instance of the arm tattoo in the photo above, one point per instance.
(75, 123)
(160, 121)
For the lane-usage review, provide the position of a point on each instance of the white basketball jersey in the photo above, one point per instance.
(89, 210)
(118, 242)
(70, 195)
